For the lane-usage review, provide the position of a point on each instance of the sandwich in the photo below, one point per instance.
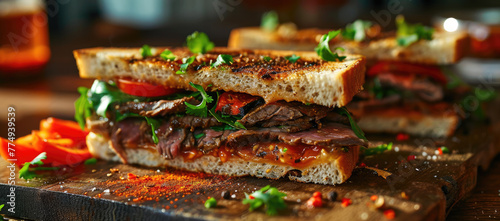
(263, 113)
(406, 90)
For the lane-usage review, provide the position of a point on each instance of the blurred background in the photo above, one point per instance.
(38, 74)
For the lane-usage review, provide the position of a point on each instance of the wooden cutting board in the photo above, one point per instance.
(422, 189)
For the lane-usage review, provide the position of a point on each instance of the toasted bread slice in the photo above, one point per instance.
(444, 48)
(309, 80)
(331, 171)
(438, 120)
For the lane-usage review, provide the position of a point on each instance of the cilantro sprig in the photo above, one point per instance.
(377, 150)
(323, 48)
(293, 58)
(167, 55)
(356, 31)
(223, 59)
(29, 173)
(199, 43)
(185, 64)
(269, 21)
(355, 128)
(408, 34)
(146, 51)
(269, 196)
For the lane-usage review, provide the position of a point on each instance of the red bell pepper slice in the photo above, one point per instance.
(23, 153)
(408, 68)
(236, 101)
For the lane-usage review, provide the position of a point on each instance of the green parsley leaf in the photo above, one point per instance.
(154, 124)
(269, 21)
(407, 34)
(292, 58)
(355, 128)
(285, 150)
(377, 150)
(267, 58)
(269, 196)
(201, 109)
(323, 48)
(445, 149)
(198, 42)
(90, 161)
(1, 206)
(198, 136)
(25, 171)
(356, 31)
(146, 51)
(167, 55)
(223, 59)
(82, 107)
(210, 203)
(185, 64)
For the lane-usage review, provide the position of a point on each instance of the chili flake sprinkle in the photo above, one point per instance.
(158, 186)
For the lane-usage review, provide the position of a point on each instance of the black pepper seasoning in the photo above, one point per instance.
(332, 196)
(225, 194)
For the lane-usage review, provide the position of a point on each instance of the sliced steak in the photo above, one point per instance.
(169, 146)
(130, 133)
(423, 87)
(212, 139)
(189, 121)
(284, 113)
(331, 134)
(156, 108)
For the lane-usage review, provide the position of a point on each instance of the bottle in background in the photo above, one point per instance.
(24, 40)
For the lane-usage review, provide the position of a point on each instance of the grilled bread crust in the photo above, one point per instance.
(439, 120)
(332, 172)
(309, 80)
(444, 48)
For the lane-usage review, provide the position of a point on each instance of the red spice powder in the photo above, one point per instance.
(153, 187)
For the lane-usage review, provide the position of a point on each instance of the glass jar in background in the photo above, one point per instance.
(24, 38)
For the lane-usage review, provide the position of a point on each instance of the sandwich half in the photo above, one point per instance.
(230, 112)
(406, 89)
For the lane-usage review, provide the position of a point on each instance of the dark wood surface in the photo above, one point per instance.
(432, 187)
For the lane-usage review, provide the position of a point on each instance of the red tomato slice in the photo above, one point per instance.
(407, 68)
(144, 89)
(236, 102)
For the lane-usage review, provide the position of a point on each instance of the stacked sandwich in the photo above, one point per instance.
(236, 112)
(406, 90)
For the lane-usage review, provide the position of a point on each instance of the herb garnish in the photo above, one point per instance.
(185, 64)
(146, 51)
(377, 150)
(83, 109)
(292, 58)
(356, 31)
(267, 58)
(269, 196)
(407, 34)
(1, 206)
(25, 171)
(223, 59)
(167, 55)
(210, 203)
(355, 128)
(201, 109)
(323, 48)
(90, 161)
(199, 43)
(198, 136)
(269, 21)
